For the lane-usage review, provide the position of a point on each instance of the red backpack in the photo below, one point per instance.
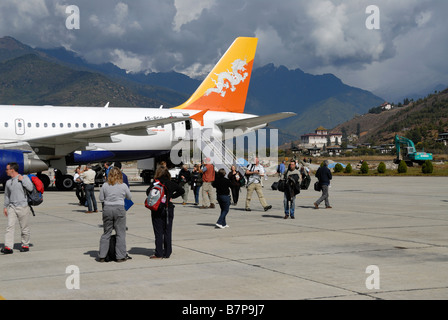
(37, 183)
(156, 196)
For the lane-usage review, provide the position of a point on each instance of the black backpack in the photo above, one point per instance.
(34, 197)
(306, 181)
(281, 185)
(111, 255)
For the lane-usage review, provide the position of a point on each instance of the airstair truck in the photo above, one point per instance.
(411, 155)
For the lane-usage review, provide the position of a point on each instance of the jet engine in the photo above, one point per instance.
(27, 164)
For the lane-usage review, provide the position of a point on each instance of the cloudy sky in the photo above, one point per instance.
(406, 54)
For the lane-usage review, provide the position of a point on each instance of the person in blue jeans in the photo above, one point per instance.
(222, 186)
(88, 177)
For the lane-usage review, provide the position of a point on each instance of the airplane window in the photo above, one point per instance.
(6, 124)
(77, 125)
(53, 125)
(19, 124)
(45, 124)
(91, 125)
(99, 125)
(84, 125)
(69, 125)
(107, 124)
(29, 124)
(37, 125)
(61, 125)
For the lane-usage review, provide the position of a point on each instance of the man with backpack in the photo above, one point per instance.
(16, 207)
(255, 173)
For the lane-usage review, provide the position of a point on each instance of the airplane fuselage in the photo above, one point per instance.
(28, 123)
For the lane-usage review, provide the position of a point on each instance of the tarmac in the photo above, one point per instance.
(384, 238)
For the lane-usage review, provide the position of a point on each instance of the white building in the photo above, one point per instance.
(386, 106)
(443, 138)
(320, 138)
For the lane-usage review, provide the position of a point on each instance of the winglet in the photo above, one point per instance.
(225, 88)
(199, 117)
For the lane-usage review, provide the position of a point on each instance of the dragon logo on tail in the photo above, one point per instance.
(229, 79)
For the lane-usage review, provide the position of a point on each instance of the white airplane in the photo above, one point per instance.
(39, 137)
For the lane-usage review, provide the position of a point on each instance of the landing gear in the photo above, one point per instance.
(64, 182)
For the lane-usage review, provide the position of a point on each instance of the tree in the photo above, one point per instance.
(364, 167)
(348, 168)
(344, 134)
(427, 167)
(381, 168)
(338, 167)
(402, 167)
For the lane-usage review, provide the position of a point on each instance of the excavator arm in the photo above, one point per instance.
(411, 155)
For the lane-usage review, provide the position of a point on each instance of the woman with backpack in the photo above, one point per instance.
(162, 218)
(112, 194)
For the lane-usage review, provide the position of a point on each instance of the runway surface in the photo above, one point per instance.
(384, 238)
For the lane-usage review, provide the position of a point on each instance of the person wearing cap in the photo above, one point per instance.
(255, 172)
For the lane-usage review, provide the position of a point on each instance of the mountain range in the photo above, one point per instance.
(60, 77)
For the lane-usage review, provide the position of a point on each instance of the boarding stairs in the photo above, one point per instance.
(220, 155)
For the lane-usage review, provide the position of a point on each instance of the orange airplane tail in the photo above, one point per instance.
(225, 88)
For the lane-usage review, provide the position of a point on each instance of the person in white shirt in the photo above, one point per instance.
(255, 172)
(79, 186)
(88, 177)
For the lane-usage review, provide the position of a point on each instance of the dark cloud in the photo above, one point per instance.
(191, 35)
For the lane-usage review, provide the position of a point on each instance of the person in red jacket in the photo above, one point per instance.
(208, 176)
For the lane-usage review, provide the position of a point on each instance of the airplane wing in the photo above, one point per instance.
(105, 134)
(255, 121)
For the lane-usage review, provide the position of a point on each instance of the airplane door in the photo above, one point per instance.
(20, 126)
(178, 128)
